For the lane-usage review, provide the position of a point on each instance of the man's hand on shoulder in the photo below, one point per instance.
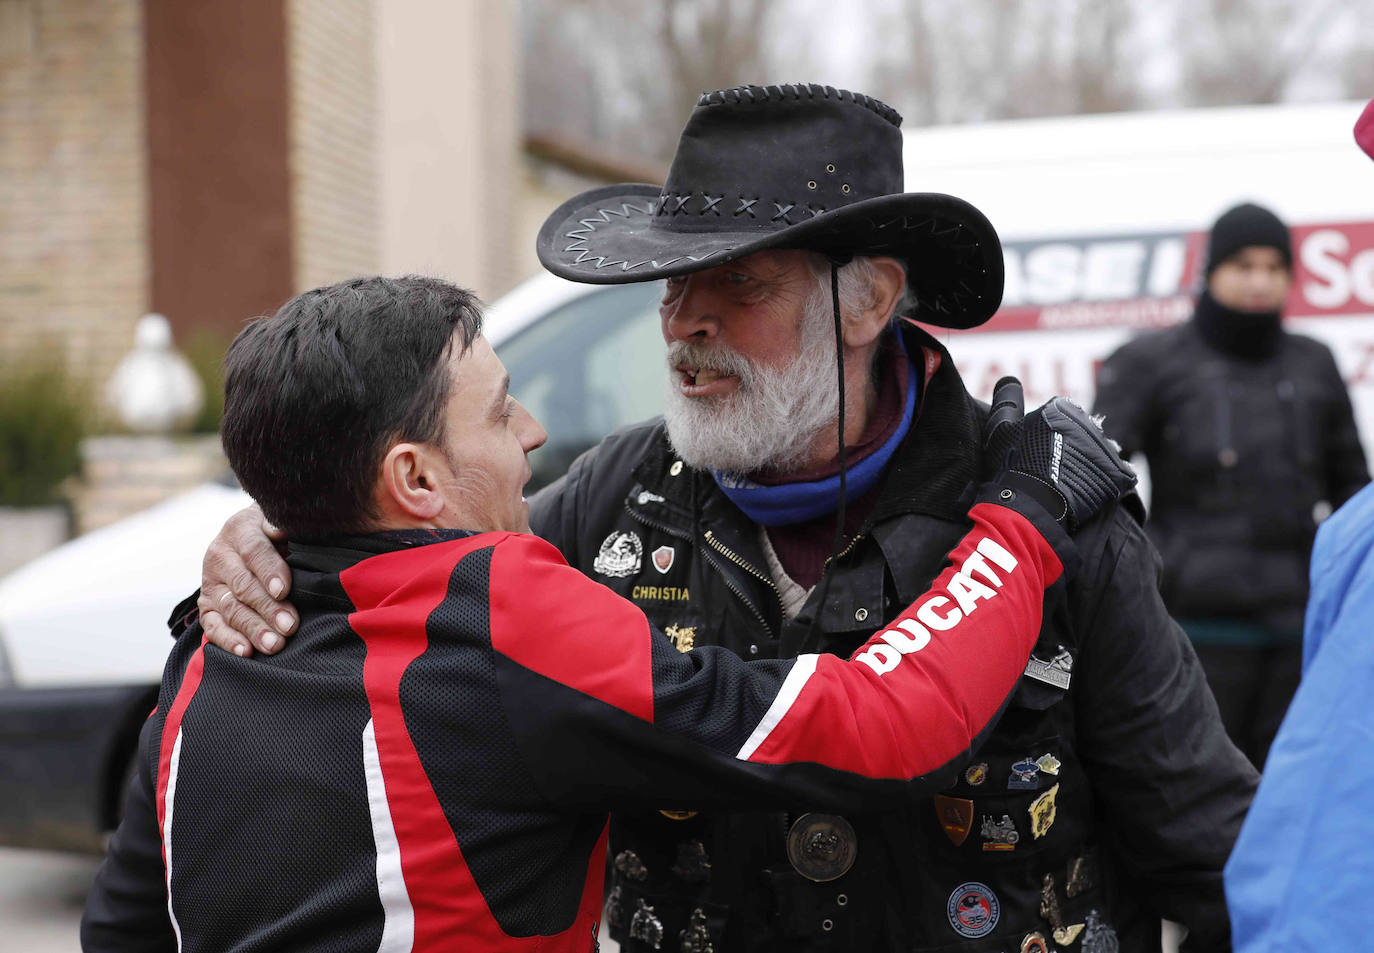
(1057, 455)
(242, 578)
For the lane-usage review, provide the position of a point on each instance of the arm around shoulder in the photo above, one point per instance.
(607, 712)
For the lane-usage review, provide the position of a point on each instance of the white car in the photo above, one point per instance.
(83, 628)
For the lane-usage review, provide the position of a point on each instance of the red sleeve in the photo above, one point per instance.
(919, 692)
(592, 641)
(911, 700)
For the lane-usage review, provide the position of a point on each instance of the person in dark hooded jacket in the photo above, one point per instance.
(1248, 431)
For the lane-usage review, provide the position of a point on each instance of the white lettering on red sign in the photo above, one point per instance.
(1146, 281)
(1335, 281)
(1330, 287)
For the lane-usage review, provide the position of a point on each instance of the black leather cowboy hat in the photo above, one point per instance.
(792, 166)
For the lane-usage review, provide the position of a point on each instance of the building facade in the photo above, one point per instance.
(208, 160)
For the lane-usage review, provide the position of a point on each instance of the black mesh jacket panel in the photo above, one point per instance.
(429, 763)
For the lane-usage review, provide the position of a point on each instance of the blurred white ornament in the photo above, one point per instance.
(154, 389)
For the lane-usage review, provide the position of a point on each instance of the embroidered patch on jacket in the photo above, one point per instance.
(660, 594)
(663, 558)
(973, 909)
(621, 555)
(683, 636)
(1058, 671)
(955, 815)
(1043, 812)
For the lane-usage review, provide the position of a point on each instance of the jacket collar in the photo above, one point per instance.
(937, 466)
(336, 553)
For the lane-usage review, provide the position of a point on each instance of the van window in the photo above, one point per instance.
(585, 369)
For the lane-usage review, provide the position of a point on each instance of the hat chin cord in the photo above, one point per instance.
(839, 512)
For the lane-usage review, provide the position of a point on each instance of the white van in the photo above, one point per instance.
(1103, 223)
(1102, 220)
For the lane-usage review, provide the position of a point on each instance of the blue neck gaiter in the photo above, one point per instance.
(790, 503)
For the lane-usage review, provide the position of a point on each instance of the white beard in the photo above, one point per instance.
(774, 416)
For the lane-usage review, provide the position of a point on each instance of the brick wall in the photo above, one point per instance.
(73, 221)
(331, 67)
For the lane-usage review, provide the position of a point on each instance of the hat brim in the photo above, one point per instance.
(953, 256)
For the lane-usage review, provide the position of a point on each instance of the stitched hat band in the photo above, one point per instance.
(795, 166)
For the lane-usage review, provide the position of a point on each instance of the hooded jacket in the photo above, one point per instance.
(1107, 796)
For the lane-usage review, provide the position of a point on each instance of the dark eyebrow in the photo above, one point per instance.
(499, 404)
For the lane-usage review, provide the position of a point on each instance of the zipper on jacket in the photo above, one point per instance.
(739, 560)
(725, 576)
(844, 552)
(655, 524)
(739, 593)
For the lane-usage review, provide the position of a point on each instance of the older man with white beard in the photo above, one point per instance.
(769, 417)
(775, 511)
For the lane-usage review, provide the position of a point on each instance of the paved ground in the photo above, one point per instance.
(41, 896)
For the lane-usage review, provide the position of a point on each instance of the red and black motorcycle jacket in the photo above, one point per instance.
(1135, 820)
(429, 763)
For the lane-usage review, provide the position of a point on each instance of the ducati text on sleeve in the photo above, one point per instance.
(975, 580)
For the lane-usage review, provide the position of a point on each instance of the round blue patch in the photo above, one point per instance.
(973, 909)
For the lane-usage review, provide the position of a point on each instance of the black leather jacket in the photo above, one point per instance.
(1240, 452)
(1129, 815)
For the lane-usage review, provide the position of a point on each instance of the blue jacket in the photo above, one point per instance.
(1302, 873)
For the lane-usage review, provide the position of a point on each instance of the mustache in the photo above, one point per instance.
(719, 358)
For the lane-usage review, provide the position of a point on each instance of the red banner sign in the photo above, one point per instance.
(1142, 281)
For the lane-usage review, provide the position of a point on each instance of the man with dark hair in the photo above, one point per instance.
(816, 460)
(1247, 429)
(460, 708)
(363, 358)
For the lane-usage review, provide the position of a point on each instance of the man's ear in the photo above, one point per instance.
(889, 281)
(409, 484)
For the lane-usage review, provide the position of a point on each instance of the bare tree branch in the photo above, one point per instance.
(625, 73)
(1240, 51)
